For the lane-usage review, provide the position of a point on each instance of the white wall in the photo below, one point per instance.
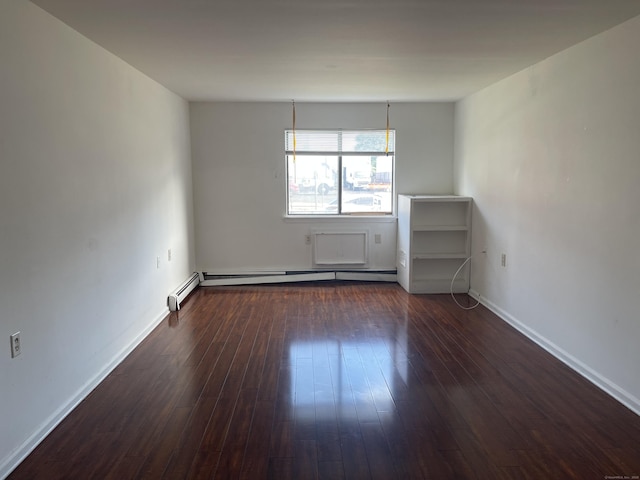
(95, 183)
(552, 158)
(239, 178)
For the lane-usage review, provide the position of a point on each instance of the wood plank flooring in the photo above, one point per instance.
(338, 380)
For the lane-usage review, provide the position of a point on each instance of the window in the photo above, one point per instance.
(340, 172)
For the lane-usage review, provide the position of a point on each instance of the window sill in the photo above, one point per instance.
(340, 218)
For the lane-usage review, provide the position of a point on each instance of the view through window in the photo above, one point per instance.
(340, 172)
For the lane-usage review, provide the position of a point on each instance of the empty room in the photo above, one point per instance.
(331, 239)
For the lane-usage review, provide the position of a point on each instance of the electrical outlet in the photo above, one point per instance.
(377, 238)
(503, 260)
(307, 239)
(15, 345)
(169, 255)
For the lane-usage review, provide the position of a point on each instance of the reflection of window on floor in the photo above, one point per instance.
(336, 172)
(346, 380)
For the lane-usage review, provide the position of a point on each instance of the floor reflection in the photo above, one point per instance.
(174, 319)
(347, 379)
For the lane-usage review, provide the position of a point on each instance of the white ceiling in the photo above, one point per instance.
(335, 50)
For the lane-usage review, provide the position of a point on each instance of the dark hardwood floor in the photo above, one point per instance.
(339, 381)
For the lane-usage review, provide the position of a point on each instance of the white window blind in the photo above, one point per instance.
(338, 142)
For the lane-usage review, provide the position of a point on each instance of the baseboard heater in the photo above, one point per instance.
(213, 280)
(176, 298)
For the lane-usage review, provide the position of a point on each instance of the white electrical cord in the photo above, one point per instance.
(453, 281)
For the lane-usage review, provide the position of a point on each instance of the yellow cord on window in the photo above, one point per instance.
(294, 130)
(386, 148)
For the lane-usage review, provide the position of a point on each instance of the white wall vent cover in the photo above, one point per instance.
(340, 248)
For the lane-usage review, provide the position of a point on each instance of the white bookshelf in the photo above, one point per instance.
(434, 240)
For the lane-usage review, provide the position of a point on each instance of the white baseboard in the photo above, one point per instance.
(19, 454)
(212, 280)
(600, 381)
(367, 276)
(264, 279)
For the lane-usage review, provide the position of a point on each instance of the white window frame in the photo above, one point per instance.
(331, 148)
